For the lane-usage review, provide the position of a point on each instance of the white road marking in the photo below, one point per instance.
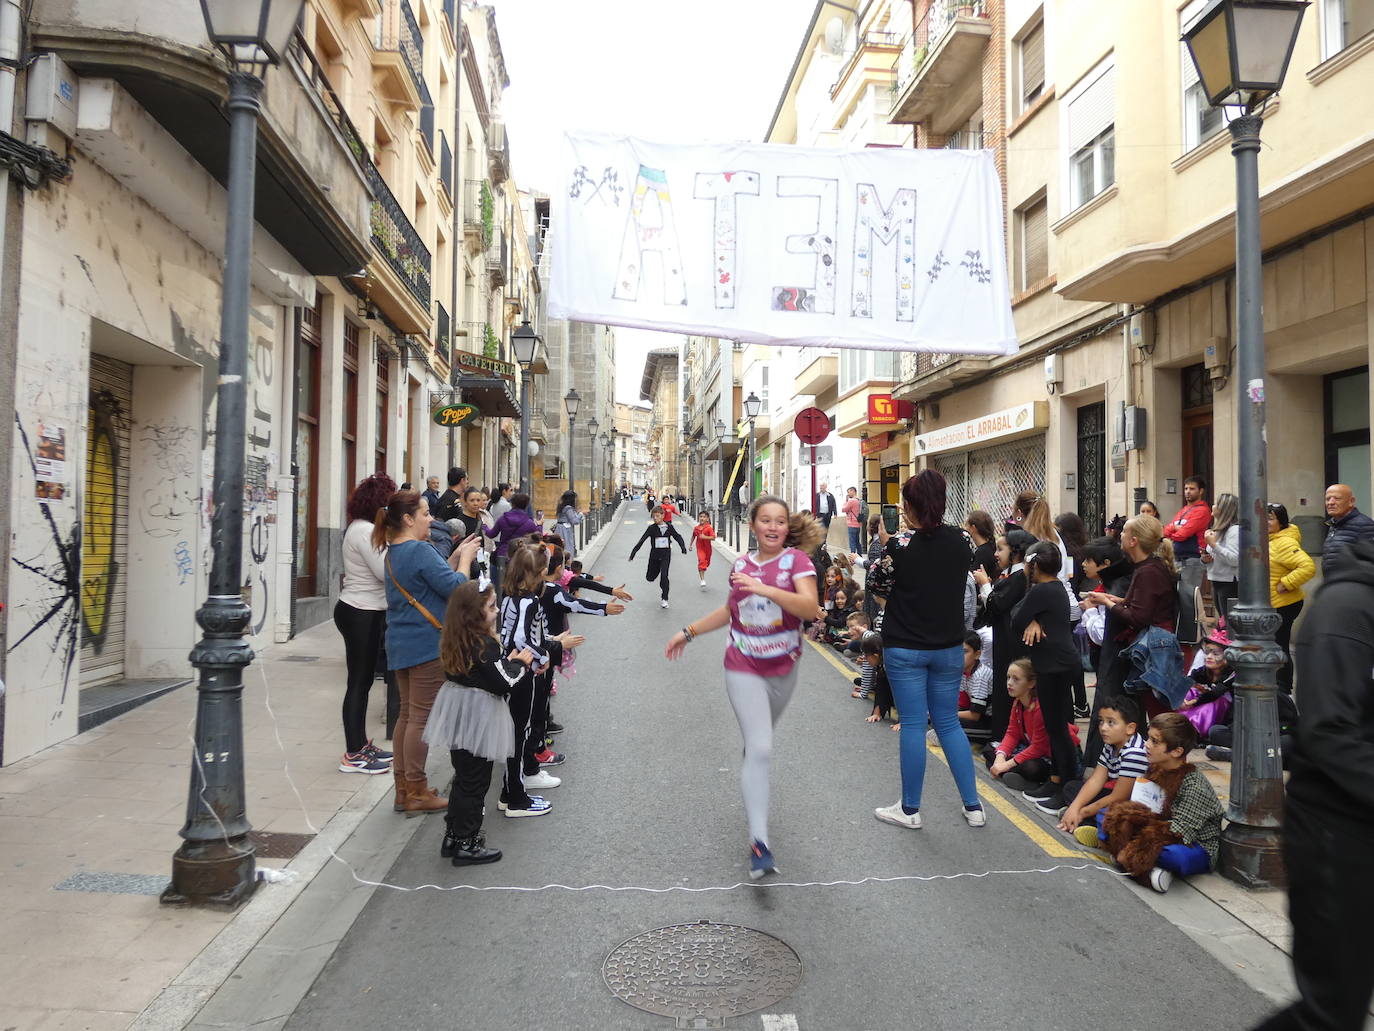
(780, 1022)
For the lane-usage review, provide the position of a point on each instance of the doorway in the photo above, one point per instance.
(1346, 437)
(1197, 424)
(1092, 467)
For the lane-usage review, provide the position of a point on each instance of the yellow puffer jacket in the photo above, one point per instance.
(1288, 565)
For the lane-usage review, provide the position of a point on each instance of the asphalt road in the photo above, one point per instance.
(651, 798)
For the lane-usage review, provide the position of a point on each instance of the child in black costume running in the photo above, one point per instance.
(660, 536)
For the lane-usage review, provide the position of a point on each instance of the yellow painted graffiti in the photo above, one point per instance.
(98, 566)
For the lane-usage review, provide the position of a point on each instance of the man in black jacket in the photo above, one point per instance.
(1328, 832)
(451, 500)
(1345, 524)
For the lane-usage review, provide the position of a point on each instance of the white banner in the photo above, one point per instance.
(884, 248)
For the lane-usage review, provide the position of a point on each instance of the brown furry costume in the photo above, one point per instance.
(1135, 834)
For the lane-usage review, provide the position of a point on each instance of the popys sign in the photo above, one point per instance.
(879, 248)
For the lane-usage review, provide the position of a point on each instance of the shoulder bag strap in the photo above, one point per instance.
(411, 598)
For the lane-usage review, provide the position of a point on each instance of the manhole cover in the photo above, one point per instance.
(702, 973)
(277, 845)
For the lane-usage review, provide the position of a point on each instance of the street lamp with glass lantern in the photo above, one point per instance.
(571, 400)
(752, 404)
(592, 427)
(1241, 49)
(524, 342)
(215, 864)
(606, 457)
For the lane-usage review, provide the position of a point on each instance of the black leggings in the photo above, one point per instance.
(659, 560)
(1054, 690)
(1037, 770)
(1289, 614)
(539, 721)
(362, 633)
(471, 779)
(521, 701)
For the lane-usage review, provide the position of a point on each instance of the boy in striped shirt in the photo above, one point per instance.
(1123, 759)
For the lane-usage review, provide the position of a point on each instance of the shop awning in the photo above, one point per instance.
(494, 396)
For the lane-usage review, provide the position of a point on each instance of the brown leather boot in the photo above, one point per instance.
(399, 805)
(421, 798)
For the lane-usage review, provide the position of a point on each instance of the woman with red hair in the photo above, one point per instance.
(360, 615)
(921, 577)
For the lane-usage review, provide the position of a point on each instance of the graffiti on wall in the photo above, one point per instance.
(170, 503)
(55, 585)
(99, 568)
(260, 496)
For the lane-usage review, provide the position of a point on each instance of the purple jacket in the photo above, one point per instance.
(512, 524)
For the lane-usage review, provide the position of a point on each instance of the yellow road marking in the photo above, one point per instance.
(1027, 825)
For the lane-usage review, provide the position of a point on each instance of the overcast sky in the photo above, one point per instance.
(675, 71)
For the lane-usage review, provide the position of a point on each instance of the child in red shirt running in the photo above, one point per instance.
(702, 536)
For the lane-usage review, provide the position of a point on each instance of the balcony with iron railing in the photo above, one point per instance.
(446, 166)
(936, 72)
(871, 44)
(478, 224)
(498, 153)
(427, 121)
(399, 54)
(496, 262)
(966, 139)
(395, 239)
(924, 373)
(443, 329)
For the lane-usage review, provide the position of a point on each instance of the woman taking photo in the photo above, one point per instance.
(568, 518)
(771, 592)
(979, 526)
(922, 576)
(360, 615)
(418, 585)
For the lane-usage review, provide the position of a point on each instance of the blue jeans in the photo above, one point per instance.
(853, 539)
(928, 682)
(1183, 860)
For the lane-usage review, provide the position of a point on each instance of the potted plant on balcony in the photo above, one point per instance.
(491, 343)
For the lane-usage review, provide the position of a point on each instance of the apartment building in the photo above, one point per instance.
(838, 94)
(631, 445)
(660, 386)
(711, 405)
(117, 272)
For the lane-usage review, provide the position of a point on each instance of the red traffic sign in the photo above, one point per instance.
(812, 426)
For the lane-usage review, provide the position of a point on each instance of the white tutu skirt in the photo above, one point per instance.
(474, 720)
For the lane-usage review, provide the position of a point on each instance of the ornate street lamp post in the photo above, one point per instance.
(524, 341)
(214, 865)
(592, 427)
(571, 400)
(1241, 49)
(752, 404)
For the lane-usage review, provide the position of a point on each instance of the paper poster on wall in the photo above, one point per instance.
(882, 248)
(50, 464)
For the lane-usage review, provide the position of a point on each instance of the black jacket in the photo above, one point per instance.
(492, 672)
(1334, 654)
(1341, 534)
(653, 531)
(1006, 594)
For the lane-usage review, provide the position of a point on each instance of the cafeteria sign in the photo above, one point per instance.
(455, 414)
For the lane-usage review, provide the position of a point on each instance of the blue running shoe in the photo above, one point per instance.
(760, 861)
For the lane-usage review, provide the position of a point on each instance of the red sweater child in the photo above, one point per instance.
(1028, 724)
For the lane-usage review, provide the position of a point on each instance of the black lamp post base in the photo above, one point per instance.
(1252, 856)
(221, 875)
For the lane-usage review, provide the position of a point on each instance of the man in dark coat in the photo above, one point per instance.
(1328, 826)
(1345, 524)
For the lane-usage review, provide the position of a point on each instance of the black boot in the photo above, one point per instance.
(448, 845)
(474, 850)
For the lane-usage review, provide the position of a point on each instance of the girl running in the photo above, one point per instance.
(702, 536)
(771, 592)
(470, 716)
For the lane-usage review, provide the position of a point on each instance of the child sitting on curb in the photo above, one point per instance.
(1122, 762)
(1021, 759)
(871, 655)
(975, 690)
(1209, 702)
(1171, 826)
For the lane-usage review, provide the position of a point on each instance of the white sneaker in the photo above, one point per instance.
(975, 817)
(893, 814)
(543, 779)
(1160, 880)
(703, 585)
(663, 604)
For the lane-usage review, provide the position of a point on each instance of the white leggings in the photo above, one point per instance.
(758, 702)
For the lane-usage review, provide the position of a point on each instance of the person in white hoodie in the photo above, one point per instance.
(1221, 556)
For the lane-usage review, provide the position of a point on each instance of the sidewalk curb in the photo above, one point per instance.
(179, 1004)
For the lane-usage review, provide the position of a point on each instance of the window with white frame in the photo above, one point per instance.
(1201, 120)
(1344, 22)
(1030, 66)
(1032, 242)
(763, 389)
(1090, 133)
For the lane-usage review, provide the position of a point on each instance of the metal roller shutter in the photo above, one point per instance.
(105, 522)
(990, 479)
